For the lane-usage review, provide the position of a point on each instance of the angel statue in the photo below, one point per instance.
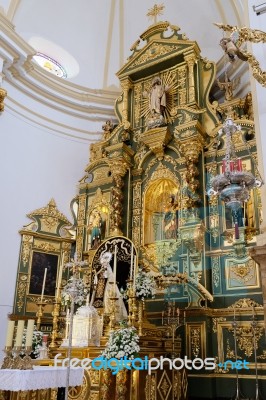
(238, 36)
(228, 86)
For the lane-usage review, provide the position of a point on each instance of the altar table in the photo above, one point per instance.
(41, 377)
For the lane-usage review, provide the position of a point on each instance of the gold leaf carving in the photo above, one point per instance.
(49, 211)
(154, 51)
(46, 246)
(27, 242)
(21, 291)
(245, 303)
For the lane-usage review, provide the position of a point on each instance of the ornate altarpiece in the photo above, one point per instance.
(147, 182)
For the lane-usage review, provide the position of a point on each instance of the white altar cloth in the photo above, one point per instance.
(39, 378)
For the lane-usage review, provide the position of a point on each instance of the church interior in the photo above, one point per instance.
(134, 233)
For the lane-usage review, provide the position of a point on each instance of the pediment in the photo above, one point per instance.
(158, 48)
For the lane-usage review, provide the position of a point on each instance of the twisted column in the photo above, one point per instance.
(118, 170)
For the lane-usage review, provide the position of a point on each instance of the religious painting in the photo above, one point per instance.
(40, 261)
(97, 226)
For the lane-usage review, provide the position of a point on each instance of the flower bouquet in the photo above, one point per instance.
(37, 340)
(75, 290)
(144, 286)
(122, 343)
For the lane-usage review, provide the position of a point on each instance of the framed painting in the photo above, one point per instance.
(40, 261)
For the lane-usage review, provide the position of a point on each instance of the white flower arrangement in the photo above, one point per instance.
(37, 339)
(122, 343)
(75, 290)
(144, 285)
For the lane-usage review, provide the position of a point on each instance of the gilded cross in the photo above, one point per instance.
(75, 265)
(156, 10)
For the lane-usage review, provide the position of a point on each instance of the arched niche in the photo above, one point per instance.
(161, 210)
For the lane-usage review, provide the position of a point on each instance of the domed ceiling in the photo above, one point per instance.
(92, 39)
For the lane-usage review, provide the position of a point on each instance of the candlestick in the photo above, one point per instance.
(10, 333)
(115, 264)
(131, 263)
(43, 283)
(19, 335)
(29, 334)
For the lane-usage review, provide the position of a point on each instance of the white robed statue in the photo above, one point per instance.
(111, 288)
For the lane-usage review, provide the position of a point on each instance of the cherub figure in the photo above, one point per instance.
(107, 128)
(230, 48)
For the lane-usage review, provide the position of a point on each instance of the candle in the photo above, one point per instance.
(43, 283)
(10, 332)
(134, 274)
(59, 279)
(29, 334)
(234, 313)
(19, 335)
(131, 262)
(115, 265)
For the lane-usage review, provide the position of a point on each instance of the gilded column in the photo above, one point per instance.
(118, 169)
(3, 94)
(81, 225)
(136, 214)
(126, 86)
(190, 60)
(121, 385)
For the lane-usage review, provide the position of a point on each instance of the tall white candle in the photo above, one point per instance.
(10, 333)
(19, 335)
(43, 283)
(29, 334)
(115, 264)
(131, 263)
(59, 279)
(134, 272)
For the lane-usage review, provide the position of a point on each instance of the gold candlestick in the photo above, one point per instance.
(130, 301)
(113, 313)
(140, 315)
(55, 314)
(173, 320)
(17, 361)
(134, 309)
(8, 360)
(39, 313)
(27, 360)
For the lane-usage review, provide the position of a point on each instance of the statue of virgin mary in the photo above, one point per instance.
(111, 288)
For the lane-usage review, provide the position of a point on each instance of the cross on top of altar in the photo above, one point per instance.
(75, 264)
(156, 10)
